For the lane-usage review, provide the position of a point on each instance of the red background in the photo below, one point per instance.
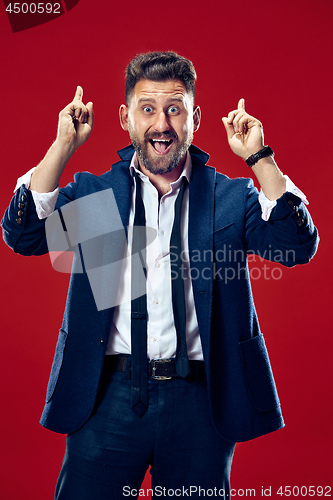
(278, 55)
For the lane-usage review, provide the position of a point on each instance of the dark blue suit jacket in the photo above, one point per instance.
(224, 222)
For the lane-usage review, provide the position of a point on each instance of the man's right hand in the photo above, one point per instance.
(75, 122)
(74, 128)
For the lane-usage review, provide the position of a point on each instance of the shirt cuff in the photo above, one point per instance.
(44, 202)
(268, 205)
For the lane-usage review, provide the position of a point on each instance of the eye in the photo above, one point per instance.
(147, 109)
(173, 110)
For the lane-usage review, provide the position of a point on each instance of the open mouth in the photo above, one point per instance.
(161, 146)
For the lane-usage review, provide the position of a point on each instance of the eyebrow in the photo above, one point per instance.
(153, 100)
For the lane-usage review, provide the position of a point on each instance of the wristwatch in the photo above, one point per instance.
(263, 153)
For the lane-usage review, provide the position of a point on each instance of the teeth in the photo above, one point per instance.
(160, 140)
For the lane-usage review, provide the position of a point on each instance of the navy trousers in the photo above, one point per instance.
(108, 457)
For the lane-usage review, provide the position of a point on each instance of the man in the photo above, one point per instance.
(208, 381)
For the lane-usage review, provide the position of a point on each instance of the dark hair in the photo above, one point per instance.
(160, 66)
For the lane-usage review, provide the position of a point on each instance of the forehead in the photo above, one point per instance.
(149, 90)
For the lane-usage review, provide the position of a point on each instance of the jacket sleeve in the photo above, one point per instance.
(289, 237)
(22, 230)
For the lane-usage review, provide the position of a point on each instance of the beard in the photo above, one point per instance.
(153, 163)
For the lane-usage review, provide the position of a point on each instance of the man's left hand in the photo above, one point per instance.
(245, 133)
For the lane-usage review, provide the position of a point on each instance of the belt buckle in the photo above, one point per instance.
(154, 368)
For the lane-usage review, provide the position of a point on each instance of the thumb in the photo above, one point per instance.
(228, 127)
(241, 104)
(78, 94)
(90, 120)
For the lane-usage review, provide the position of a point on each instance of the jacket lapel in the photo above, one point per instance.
(121, 182)
(119, 179)
(201, 216)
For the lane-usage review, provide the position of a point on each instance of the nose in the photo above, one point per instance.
(161, 123)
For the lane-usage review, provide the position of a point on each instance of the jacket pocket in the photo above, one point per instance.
(57, 363)
(229, 254)
(258, 374)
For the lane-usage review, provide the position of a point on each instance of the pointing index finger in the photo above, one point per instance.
(78, 94)
(241, 104)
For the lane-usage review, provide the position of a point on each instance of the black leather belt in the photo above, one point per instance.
(158, 369)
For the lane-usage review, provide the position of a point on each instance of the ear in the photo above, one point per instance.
(123, 116)
(196, 118)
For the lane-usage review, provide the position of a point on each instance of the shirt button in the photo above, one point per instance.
(157, 265)
(155, 195)
(156, 301)
(162, 232)
(154, 339)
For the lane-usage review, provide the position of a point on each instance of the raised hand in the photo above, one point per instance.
(245, 133)
(74, 128)
(75, 122)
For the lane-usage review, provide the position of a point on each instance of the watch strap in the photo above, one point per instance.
(263, 153)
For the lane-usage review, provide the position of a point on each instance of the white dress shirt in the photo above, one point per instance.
(161, 334)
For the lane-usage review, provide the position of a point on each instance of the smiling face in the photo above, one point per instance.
(160, 120)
